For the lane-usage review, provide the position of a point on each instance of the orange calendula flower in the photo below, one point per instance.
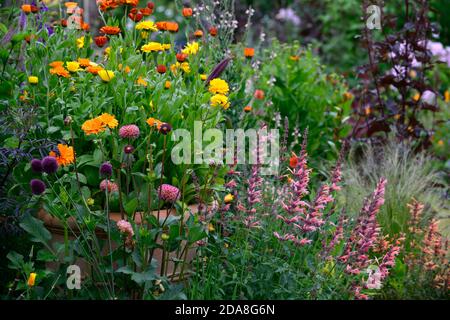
(198, 33)
(249, 52)
(84, 62)
(71, 4)
(56, 64)
(213, 31)
(152, 122)
(447, 96)
(94, 69)
(31, 279)
(247, 108)
(60, 71)
(26, 8)
(93, 126)
(111, 30)
(167, 85)
(187, 12)
(167, 26)
(108, 120)
(64, 155)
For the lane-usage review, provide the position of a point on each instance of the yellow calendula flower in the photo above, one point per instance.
(152, 47)
(106, 75)
(80, 42)
(31, 279)
(220, 100)
(203, 77)
(228, 198)
(73, 66)
(218, 86)
(33, 80)
(191, 48)
(146, 25)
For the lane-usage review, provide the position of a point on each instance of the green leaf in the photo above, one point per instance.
(130, 206)
(36, 229)
(16, 260)
(196, 233)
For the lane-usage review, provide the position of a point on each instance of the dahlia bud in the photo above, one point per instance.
(165, 128)
(128, 149)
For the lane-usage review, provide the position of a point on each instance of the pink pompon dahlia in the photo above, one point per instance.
(169, 193)
(125, 227)
(112, 187)
(130, 131)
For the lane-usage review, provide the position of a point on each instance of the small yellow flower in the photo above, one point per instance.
(73, 66)
(146, 25)
(203, 77)
(416, 97)
(32, 279)
(228, 198)
(90, 201)
(440, 143)
(447, 96)
(167, 85)
(220, 100)
(152, 47)
(106, 75)
(80, 42)
(191, 48)
(218, 85)
(413, 74)
(144, 34)
(33, 80)
(211, 227)
(107, 51)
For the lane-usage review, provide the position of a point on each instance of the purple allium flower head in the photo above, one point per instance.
(36, 165)
(169, 193)
(129, 131)
(106, 169)
(49, 165)
(37, 186)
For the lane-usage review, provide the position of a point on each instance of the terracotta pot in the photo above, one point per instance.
(56, 228)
